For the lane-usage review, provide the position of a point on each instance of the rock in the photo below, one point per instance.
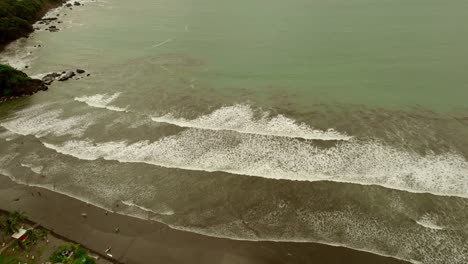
(66, 76)
(52, 27)
(49, 78)
(84, 215)
(80, 71)
(117, 230)
(77, 4)
(48, 19)
(48, 81)
(68, 5)
(26, 66)
(89, 74)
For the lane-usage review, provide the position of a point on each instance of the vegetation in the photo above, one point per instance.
(8, 260)
(16, 83)
(13, 222)
(17, 17)
(33, 235)
(71, 254)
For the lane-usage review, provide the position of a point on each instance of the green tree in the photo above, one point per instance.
(13, 222)
(71, 254)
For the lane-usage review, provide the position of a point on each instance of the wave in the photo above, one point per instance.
(101, 101)
(200, 231)
(35, 169)
(132, 204)
(428, 221)
(366, 163)
(241, 118)
(40, 121)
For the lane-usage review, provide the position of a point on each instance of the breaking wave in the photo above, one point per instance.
(367, 163)
(39, 121)
(101, 101)
(241, 118)
(132, 204)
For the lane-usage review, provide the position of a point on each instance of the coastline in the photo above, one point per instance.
(142, 241)
(48, 5)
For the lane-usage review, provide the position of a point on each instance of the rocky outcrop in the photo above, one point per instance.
(14, 84)
(62, 76)
(67, 75)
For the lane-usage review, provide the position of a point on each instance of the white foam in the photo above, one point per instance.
(289, 159)
(132, 204)
(101, 101)
(40, 121)
(162, 43)
(18, 54)
(240, 118)
(35, 169)
(7, 135)
(428, 221)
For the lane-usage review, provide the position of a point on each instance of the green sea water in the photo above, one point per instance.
(378, 53)
(339, 122)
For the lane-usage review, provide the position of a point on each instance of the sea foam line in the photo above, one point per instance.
(241, 119)
(101, 101)
(40, 121)
(190, 230)
(365, 163)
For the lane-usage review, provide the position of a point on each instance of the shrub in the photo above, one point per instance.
(13, 223)
(71, 254)
(12, 81)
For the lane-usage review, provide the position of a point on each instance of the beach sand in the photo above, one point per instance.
(140, 241)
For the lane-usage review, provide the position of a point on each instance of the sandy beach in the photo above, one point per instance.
(140, 241)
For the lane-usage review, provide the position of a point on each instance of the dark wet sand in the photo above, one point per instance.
(140, 241)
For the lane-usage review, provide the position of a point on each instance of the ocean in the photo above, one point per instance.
(337, 122)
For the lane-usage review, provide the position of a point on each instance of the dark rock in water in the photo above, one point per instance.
(26, 66)
(80, 71)
(48, 81)
(66, 76)
(89, 74)
(48, 19)
(51, 27)
(68, 5)
(49, 78)
(77, 4)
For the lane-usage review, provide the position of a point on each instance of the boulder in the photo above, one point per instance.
(68, 5)
(48, 19)
(66, 76)
(77, 3)
(80, 71)
(50, 78)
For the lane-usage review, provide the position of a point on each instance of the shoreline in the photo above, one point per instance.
(48, 6)
(63, 238)
(143, 241)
